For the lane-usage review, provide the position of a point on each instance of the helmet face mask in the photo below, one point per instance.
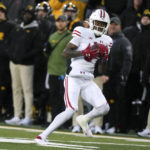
(99, 22)
(99, 26)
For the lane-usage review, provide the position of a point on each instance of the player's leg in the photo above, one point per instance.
(94, 96)
(76, 127)
(72, 90)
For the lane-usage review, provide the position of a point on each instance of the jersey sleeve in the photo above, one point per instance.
(77, 36)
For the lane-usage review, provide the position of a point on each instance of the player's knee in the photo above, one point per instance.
(107, 108)
(104, 109)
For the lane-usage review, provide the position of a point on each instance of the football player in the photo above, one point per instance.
(86, 47)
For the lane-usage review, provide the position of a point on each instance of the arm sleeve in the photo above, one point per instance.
(77, 38)
(76, 41)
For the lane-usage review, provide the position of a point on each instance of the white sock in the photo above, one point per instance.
(57, 122)
(100, 111)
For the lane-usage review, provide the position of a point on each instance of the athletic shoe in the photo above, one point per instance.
(144, 133)
(76, 129)
(40, 141)
(26, 121)
(13, 121)
(83, 122)
(111, 130)
(98, 130)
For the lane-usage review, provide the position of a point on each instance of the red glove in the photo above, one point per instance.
(90, 53)
(103, 50)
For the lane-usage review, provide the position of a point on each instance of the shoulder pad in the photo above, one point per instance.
(79, 31)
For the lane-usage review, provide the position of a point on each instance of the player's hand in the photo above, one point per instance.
(90, 53)
(103, 50)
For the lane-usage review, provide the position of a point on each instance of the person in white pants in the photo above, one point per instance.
(85, 48)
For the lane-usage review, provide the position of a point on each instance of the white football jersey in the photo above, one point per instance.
(82, 37)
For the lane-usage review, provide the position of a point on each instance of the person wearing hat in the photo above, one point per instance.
(142, 53)
(46, 22)
(118, 68)
(5, 81)
(24, 46)
(71, 11)
(15, 8)
(57, 66)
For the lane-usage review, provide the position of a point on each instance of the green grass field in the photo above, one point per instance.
(21, 138)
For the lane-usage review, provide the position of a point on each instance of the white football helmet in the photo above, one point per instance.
(99, 22)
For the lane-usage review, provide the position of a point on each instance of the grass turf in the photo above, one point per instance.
(10, 138)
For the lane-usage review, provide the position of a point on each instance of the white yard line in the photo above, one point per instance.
(49, 144)
(103, 143)
(77, 134)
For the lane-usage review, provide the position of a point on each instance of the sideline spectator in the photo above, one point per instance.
(141, 55)
(146, 83)
(47, 26)
(115, 6)
(57, 6)
(25, 42)
(132, 14)
(138, 109)
(57, 65)
(70, 10)
(5, 80)
(15, 8)
(119, 65)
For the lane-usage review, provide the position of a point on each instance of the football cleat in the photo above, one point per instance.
(40, 141)
(83, 122)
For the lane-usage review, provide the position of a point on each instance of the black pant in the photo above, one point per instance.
(5, 87)
(56, 95)
(115, 94)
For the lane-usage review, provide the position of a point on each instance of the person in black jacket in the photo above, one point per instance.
(132, 14)
(5, 80)
(24, 45)
(142, 62)
(118, 68)
(47, 26)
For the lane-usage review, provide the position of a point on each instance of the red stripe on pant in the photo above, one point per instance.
(65, 97)
(66, 91)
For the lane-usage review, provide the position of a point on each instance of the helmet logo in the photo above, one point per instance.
(102, 13)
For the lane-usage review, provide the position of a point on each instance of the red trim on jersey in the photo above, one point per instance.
(67, 94)
(76, 31)
(65, 97)
(77, 34)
